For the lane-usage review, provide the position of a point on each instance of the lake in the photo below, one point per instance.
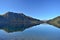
(39, 32)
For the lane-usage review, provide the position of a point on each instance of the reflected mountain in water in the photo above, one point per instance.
(12, 22)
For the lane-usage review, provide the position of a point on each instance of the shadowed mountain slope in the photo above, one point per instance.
(12, 22)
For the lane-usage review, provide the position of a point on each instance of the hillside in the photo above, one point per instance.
(11, 22)
(55, 22)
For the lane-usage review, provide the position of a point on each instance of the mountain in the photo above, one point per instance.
(12, 22)
(55, 21)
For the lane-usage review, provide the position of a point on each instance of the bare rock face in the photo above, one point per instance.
(12, 22)
(55, 22)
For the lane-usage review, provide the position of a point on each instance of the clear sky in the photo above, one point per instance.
(40, 9)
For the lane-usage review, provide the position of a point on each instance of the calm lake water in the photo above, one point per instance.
(39, 32)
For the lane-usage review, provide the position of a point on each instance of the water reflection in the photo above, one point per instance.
(40, 32)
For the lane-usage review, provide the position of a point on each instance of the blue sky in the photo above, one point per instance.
(40, 9)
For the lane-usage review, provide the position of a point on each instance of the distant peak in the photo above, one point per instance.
(13, 14)
(9, 13)
(58, 16)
